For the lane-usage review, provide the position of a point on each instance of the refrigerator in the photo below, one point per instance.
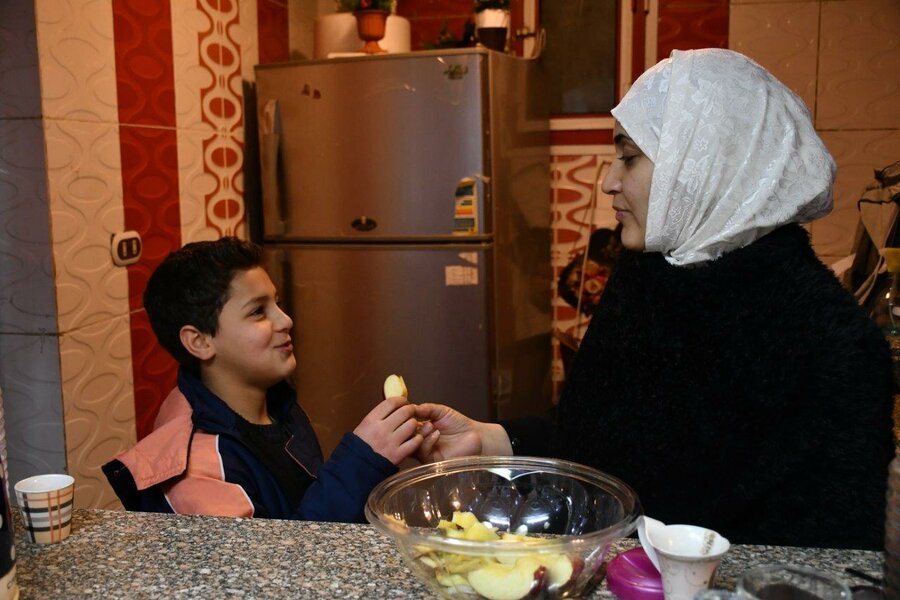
(405, 217)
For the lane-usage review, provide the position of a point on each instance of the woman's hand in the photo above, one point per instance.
(391, 429)
(450, 434)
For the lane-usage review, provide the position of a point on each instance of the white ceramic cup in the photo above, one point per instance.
(46, 503)
(685, 555)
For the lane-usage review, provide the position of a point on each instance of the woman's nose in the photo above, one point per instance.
(611, 183)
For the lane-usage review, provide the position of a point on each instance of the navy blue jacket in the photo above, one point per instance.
(195, 462)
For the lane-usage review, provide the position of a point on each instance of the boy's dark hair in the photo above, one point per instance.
(190, 287)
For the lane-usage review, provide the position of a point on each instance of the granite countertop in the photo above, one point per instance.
(114, 554)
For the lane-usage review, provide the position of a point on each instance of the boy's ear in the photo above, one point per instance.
(196, 342)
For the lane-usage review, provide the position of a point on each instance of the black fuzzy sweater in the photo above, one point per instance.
(750, 395)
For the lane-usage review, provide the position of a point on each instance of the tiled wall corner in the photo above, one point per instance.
(77, 60)
(21, 97)
(85, 191)
(32, 403)
(99, 404)
(27, 298)
(859, 65)
(783, 38)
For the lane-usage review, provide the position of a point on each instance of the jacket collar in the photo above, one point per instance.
(164, 453)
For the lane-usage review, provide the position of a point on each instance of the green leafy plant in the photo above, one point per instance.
(481, 5)
(355, 5)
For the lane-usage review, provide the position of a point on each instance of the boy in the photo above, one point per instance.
(230, 439)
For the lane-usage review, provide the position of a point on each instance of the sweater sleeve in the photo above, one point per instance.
(533, 436)
(344, 482)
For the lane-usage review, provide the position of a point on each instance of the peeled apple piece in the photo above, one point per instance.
(506, 582)
(395, 386)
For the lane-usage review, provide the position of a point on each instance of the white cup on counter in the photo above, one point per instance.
(46, 502)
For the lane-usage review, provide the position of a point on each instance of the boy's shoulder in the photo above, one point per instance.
(162, 454)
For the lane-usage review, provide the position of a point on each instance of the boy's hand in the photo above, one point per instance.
(391, 429)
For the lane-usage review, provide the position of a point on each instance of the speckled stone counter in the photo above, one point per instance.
(114, 554)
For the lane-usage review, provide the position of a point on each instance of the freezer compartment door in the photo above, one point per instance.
(373, 148)
(363, 312)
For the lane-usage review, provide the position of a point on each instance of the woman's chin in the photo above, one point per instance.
(633, 240)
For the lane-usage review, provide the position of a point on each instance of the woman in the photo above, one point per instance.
(726, 375)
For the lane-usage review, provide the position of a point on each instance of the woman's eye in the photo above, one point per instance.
(627, 159)
(259, 310)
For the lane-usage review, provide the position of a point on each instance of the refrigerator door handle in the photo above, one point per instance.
(270, 163)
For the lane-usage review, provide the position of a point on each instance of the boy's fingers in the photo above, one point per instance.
(407, 429)
(388, 406)
(400, 416)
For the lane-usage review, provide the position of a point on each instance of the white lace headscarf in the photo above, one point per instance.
(735, 154)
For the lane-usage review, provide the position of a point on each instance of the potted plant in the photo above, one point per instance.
(371, 20)
(358, 5)
(492, 23)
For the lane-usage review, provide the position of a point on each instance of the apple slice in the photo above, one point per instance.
(481, 532)
(506, 582)
(463, 519)
(395, 386)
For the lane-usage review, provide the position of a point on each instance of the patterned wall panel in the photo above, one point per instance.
(33, 404)
(143, 46)
(687, 25)
(195, 182)
(27, 298)
(75, 45)
(272, 25)
(578, 207)
(99, 408)
(189, 22)
(84, 188)
(247, 35)
(21, 97)
(857, 154)
(859, 63)
(218, 107)
(784, 39)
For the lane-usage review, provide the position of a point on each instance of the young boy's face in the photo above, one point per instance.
(253, 342)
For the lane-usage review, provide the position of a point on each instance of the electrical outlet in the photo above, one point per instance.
(125, 248)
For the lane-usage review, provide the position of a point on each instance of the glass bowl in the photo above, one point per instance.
(446, 518)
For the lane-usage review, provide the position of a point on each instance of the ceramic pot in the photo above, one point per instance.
(492, 28)
(370, 26)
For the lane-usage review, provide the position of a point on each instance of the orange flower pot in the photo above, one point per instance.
(370, 26)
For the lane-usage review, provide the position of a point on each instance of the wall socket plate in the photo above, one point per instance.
(125, 247)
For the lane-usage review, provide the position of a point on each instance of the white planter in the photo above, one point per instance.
(336, 34)
(492, 17)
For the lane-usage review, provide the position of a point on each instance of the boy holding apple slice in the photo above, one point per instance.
(231, 439)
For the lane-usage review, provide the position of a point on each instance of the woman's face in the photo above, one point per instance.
(628, 182)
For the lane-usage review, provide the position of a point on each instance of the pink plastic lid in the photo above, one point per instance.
(631, 576)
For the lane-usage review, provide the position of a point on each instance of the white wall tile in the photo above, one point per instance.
(98, 395)
(859, 65)
(77, 57)
(27, 294)
(783, 38)
(85, 192)
(858, 154)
